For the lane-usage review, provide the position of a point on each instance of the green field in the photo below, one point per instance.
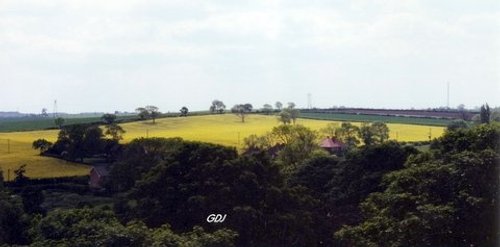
(39, 123)
(373, 118)
(225, 129)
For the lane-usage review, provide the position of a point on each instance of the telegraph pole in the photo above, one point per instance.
(309, 101)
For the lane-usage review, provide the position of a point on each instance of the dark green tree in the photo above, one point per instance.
(14, 223)
(380, 131)
(115, 131)
(285, 117)
(448, 197)
(184, 111)
(217, 107)
(485, 114)
(366, 134)
(109, 118)
(142, 112)
(267, 109)
(41, 144)
(153, 112)
(79, 141)
(278, 105)
(348, 134)
(241, 110)
(20, 178)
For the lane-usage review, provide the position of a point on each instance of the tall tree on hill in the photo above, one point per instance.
(184, 111)
(485, 113)
(241, 110)
(44, 112)
(267, 109)
(153, 112)
(142, 113)
(289, 113)
(278, 105)
(217, 106)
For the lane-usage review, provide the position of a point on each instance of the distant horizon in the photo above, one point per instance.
(228, 108)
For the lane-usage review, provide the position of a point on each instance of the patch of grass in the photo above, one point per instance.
(38, 123)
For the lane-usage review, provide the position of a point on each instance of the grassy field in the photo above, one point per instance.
(38, 123)
(224, 129)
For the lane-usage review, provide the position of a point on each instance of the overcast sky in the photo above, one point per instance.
(95, 55)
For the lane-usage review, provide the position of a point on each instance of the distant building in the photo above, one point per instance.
(332, 145)
(98, 175)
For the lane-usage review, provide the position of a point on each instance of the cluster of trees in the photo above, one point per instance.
(217, 107)
(288, 114)
(180, 183)
(241, 110)
(352, 135)
(78, 141)
(148, 112)
(448, 196)
(288, 144)
(20, 226)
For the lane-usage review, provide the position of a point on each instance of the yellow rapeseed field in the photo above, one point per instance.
(224, 129)
(20, 152)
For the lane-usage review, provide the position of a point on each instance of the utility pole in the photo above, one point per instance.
(309, 101)
(55, 109)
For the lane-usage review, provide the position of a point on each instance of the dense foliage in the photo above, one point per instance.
(447, 197)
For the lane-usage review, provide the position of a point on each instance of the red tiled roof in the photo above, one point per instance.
(330, 143)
